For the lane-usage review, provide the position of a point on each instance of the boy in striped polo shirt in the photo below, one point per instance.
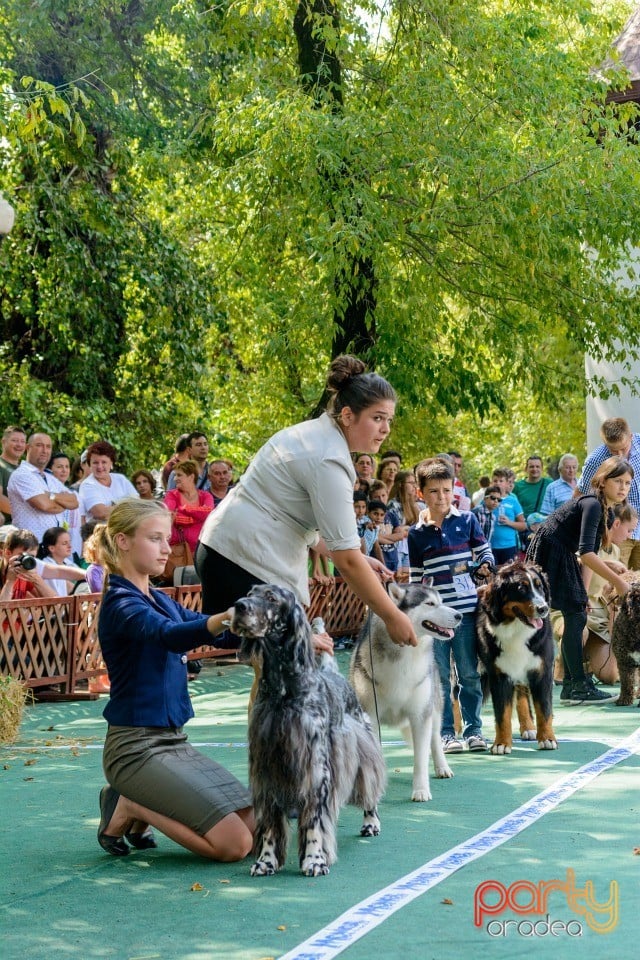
(447, 544)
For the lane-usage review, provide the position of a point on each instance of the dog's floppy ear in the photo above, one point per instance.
(484, 593)
(490, 599)
(298, 620)
(300, 634)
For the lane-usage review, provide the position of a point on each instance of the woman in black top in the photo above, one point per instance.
(580, 526)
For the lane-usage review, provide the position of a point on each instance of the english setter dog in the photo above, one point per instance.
(311, 747)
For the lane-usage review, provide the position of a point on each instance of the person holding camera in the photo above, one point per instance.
(22, 575)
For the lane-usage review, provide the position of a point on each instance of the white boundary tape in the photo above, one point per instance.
(370, 913)
(79, 744)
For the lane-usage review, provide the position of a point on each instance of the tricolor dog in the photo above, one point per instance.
(515, 644)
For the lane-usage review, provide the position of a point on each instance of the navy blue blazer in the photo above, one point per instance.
(143, 641)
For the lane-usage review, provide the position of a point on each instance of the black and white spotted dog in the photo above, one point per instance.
(311, 747)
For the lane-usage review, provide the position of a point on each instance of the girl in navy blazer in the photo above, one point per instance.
(155, 776)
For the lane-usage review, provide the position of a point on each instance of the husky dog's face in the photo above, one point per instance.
(425, 609)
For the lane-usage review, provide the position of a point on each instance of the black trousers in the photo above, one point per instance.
(223, 581)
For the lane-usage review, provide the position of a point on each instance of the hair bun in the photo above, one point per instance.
(342, 370)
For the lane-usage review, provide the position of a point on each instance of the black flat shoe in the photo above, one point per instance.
(113, 845)
(142, 841)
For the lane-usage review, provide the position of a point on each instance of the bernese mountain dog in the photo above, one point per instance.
(516, 648)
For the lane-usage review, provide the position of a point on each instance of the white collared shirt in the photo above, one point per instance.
(26, 482)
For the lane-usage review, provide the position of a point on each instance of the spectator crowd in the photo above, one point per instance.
(419, 521)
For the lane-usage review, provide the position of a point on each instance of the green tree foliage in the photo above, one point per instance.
(103, 308)
(244, 189)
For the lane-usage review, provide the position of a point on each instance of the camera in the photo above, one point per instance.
(26, 561)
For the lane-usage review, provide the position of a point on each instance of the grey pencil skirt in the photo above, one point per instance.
(158, 768)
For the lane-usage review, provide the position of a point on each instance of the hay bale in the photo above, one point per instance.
(13, 696)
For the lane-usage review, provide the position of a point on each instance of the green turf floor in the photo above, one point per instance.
(63, 897)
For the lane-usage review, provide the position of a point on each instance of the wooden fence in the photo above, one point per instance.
(53, 642)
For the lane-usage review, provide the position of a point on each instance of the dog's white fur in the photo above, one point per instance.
(408, 693)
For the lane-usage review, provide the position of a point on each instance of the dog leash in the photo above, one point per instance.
(373, 679)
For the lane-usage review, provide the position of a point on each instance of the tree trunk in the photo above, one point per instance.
(355, 282)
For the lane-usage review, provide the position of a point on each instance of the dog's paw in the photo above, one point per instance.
(444, 772)
(547, 744)
(263, 868)
(528, 735)
(501, 749)
(370, 828)
(314, 867)
(626, 702)
(421, 795)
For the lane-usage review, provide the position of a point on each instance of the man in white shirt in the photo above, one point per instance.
(38, 500)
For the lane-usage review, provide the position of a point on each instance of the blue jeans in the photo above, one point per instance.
(465, 656)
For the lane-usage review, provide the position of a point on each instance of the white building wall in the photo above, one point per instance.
(626, 405)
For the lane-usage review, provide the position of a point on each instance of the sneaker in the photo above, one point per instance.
(477, 744)
(565, 693)
(586, 692)
(452, 745)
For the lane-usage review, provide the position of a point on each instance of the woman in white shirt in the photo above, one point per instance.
(298, 493)
(102, 488)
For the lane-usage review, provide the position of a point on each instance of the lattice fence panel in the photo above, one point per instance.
(88, 655)
(34, 640)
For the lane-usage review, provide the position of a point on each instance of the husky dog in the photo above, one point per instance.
(402, 684)
(310, 746)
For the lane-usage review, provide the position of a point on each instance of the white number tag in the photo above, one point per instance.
(463, 584)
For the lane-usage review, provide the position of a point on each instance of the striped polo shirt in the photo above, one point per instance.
(446, 553)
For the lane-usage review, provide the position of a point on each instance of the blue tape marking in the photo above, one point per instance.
(370, 913)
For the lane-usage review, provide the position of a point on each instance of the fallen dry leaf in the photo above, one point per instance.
(282, 927)
(196, 886)
(397, 770)
(636, 851)
(27, 779)
(30, 763)
(224, 881)
(6, 767)
(447, 901)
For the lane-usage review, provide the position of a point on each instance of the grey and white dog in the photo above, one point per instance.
(311, 748)
(402, 684)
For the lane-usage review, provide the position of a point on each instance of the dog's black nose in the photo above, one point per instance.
(241, 605)
(458, 617)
